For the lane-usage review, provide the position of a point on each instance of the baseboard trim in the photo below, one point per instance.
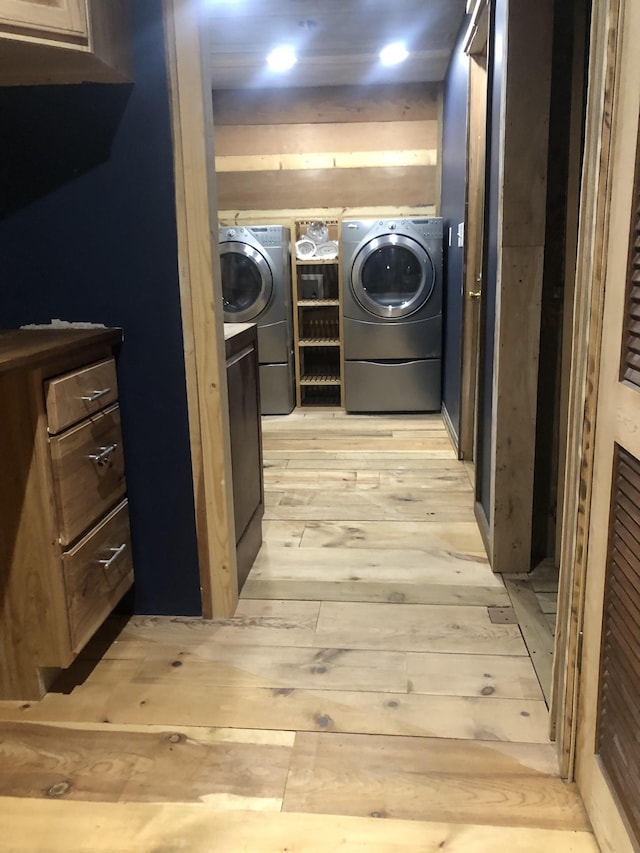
(483, 524)
(453, 435)
(248, 546)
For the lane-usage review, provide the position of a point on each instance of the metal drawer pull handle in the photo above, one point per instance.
(96, 395)
(105, 452)
(115, 553)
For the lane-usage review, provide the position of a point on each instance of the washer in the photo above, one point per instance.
(256, 288)
(392, 307)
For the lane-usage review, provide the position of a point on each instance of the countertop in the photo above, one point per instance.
(233, 329)
(21, 348)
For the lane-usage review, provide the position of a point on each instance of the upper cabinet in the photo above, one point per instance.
(67, 18)
(64, 41)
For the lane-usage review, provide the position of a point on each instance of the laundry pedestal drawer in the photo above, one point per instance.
(392, 386)
(65, 546)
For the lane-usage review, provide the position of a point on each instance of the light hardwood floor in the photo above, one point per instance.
(535, 600)
(361, 699)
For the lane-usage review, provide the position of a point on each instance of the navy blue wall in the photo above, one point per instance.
(88, 233)
(497, 32)
(454, 169)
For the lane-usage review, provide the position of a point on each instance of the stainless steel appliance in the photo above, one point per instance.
(256, 288)
(392, 306)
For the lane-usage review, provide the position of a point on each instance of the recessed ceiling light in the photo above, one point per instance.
(393, 53)
(282, 58)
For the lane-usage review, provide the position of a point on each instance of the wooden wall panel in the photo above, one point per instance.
(301, 189)
(336, 147)
(325, 137)
(408, 102)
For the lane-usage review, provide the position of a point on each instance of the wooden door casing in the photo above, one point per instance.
(474, 242)
(199, 260)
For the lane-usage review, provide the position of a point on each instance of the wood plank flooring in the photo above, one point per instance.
(535, 599)
(361, 699)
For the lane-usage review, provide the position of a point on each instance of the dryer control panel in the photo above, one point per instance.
(269, 236)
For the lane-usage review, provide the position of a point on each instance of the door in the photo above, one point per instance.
(608, 746)
(474, 243)
(392, 276)
(247, 282)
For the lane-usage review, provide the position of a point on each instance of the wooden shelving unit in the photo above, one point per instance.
(317, 322)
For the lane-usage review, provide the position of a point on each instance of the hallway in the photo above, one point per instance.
(366, 675)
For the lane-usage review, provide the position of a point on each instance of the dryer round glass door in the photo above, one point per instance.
(392, 276)
(247, 282)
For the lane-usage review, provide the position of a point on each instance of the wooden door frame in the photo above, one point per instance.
(595, 208)
(475, 45)
(616, 417)
(527, 57)
(200, 294)
(581, 18)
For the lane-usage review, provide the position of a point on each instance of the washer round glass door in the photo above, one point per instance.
(392, 276)
(247, 282)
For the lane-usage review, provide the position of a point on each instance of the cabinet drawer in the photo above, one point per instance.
(97, 573)
(75, 396)
(88, 472)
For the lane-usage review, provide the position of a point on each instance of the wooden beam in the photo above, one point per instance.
(299, 188)
(200, 296)
(325, 137)
(519, 282)
(402, 102)
(322, 160)
(286, 215)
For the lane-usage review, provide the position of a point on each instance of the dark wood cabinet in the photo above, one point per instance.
(65, 547)
(246, 442)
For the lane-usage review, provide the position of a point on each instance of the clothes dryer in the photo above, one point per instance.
(392, 314)
(256, 288)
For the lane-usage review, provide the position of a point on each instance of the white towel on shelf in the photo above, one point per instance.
(305, 249)
(327, 250)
